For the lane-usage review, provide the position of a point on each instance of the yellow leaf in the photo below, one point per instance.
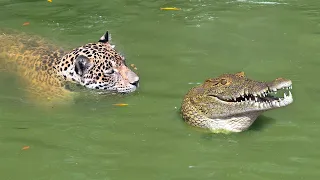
(25, 24)
(25, 147)
(121, 104)
(170, 8)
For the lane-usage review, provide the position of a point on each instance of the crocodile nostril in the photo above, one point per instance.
(135, 83)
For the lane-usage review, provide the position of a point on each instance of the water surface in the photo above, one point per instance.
(173, 50)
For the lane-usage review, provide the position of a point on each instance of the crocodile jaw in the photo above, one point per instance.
(232, 124)
(257, 101)
(251, 109)
(256, 105)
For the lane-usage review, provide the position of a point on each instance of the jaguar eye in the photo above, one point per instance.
(110, 71)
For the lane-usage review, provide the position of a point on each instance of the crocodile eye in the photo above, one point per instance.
(212, 82)
(223, 81)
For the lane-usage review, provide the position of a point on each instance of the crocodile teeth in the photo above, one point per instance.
(261, 105)
(263, 99)
(276, 103)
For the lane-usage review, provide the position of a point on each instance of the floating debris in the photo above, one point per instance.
(26, 24)
(134, 66)
(171, 8)
(121, 104)
(25, 147)
(49, 0)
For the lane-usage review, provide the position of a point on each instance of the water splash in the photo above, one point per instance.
(260, 2)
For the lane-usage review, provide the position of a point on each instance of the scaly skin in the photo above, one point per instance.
(232, 102)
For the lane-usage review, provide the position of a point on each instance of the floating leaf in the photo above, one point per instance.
(134, 66)
(121, 104)
(170, 8)
(25, 24)
(25, 147)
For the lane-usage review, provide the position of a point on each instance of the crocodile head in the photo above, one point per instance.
(232, 102)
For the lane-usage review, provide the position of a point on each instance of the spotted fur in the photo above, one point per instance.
(48, 68)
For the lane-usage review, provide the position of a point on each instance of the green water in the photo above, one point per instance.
(173, 50)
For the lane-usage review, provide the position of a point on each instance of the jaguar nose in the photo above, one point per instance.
(135, 83)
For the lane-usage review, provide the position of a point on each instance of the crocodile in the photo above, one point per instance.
(232, 102)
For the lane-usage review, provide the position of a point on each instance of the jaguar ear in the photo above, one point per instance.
(240, 74)
(105, 38)
(82, 65)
